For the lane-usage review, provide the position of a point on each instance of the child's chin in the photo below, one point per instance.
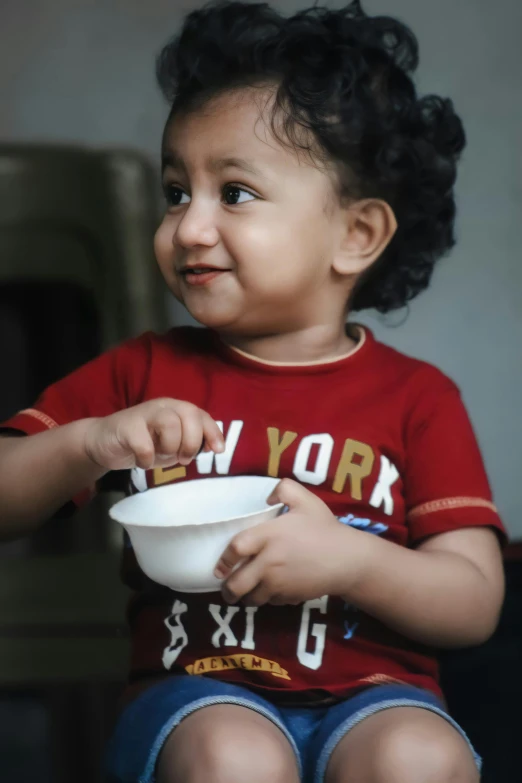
(219, 321)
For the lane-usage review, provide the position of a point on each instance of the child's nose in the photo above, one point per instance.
(197, 226)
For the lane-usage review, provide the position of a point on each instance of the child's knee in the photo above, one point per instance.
(406, 748)
(220, 748)
(412, 754)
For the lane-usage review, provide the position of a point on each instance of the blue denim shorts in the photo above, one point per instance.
(313, 732)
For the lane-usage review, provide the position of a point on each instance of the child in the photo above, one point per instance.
(304, 179)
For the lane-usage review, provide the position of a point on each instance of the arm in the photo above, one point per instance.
(446, 593)
(43, 463)
(40, 473)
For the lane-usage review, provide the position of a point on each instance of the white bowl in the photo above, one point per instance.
(180, 531)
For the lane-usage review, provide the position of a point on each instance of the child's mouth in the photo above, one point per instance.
(201, 276)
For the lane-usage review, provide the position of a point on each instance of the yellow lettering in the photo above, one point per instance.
(277, 447)
(357, 471)
(238, 661)
(166, 475)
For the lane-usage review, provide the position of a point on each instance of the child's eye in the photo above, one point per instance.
(175, 196)
(233, 194)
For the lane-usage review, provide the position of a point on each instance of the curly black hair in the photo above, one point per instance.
(345, 78)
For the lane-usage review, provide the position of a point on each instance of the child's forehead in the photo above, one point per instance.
(230, 125)
(235, 131)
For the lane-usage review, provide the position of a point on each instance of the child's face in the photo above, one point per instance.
(265, 220)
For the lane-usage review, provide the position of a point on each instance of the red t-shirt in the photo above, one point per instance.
(383, 439)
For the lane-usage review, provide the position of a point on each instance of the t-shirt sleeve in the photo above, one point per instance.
(446, 485)
(109, 383)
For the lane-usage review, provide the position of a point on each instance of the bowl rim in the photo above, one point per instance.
(114, 508)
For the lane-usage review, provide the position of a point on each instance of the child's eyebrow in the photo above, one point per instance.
(219, 164)
(172, 160)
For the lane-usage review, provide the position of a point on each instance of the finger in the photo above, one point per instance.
(166, 427)
(249, 543)
(244, 581)
(260, 596)
(291, 494)
(212, 434)
(279, 600)
(191, 433)
(140, 443)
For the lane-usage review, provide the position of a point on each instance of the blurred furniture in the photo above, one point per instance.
(77, 275)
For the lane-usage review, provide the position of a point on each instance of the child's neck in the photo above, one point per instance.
(306, 346)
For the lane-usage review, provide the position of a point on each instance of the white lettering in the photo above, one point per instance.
(139, 479)
(248, 642)
(320, 471)
(312, 660)
(382, 490)
(224, 625)
(205, 460)
(178, 635)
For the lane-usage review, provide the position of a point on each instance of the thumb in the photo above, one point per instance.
(290, 493)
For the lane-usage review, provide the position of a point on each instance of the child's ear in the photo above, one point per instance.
(368, 227)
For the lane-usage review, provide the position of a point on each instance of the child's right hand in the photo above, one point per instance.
(158, 433)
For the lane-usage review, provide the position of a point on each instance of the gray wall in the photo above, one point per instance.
(82, 71)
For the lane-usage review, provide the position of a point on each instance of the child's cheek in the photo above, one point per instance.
(163, 242)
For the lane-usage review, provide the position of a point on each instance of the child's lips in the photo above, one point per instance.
(202, 276)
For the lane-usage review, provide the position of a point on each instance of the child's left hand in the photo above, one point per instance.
(298, 556)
